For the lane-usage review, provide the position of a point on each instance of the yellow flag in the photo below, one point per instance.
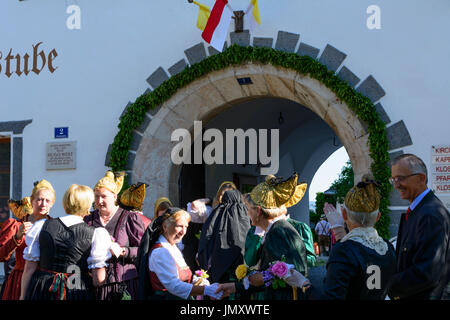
(253, 14)
(203, 15)
(255, 11)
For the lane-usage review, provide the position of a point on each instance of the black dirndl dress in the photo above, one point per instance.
(62, 273)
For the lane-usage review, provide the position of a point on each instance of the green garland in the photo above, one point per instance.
(237, 55)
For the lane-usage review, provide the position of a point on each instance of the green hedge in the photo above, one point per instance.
(237, 55)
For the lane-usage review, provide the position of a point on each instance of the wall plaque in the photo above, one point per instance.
(61, 155)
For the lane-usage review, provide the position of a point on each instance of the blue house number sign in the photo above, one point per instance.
(61, 132)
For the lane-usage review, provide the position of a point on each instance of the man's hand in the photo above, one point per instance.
(226, 289)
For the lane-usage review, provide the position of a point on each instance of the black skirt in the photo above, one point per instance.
(49, 286)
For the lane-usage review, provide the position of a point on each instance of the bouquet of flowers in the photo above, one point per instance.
(200, 278)
(275, 274)
(280, 274)
(242, 273)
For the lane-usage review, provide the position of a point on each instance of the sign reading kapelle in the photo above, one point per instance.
(61, 155)
(440, 172)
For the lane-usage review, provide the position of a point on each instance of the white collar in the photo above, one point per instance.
(174, 251)
(71, 219)
(259, 231)
(369, 238)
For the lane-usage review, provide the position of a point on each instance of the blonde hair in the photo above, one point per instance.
(42, 185)
(78, 199)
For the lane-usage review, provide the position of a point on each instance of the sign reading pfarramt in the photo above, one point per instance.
(61, 155)
(440, 172)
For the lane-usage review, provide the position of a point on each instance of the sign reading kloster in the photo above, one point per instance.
(440, 172)
(61, 155)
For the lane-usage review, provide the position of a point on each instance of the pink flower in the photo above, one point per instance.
(199, 273)
(280, 269)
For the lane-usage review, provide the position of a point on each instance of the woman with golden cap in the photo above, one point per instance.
(280, 241)
(132, 199)
(126, 229)
(28, 211)
(58, 247)
(161, 205)
(362, 263)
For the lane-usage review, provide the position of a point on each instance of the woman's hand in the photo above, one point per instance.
(256, 279)
(117, 250)
(199, 206)
(22, 230)
(333, 215)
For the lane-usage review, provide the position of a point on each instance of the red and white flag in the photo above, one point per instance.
(216, 29)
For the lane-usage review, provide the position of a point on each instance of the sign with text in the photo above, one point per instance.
(61, 155)
(440, 172)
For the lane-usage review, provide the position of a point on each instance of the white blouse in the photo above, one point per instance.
(101, 242)
(163, 261)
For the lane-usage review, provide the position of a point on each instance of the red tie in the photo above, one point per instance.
(407, 213)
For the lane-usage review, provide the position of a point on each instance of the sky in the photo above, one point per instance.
(328, 172)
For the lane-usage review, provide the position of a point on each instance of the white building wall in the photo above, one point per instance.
(104, 65)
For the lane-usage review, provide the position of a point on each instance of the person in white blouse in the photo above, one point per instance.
(61, 253)
(162, 268)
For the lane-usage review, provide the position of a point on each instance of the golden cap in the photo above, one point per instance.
(159, 201)
(134, 196)
(273, 192)
(20, 208)
(364, 197)
(298, 195)
(113, 181)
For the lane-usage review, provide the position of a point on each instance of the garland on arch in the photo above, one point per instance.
(237, 55)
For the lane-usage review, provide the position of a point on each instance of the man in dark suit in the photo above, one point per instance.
(423, 241)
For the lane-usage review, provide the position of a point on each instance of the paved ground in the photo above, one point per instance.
(316, 275)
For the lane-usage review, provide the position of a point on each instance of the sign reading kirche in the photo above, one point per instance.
(26, 63)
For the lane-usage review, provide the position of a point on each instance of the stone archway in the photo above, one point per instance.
(218, 91)
(149, 154)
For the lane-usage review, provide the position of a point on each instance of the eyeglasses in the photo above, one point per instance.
(400, 179)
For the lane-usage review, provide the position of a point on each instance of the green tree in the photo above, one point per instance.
(341, 186)
(344, 182)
